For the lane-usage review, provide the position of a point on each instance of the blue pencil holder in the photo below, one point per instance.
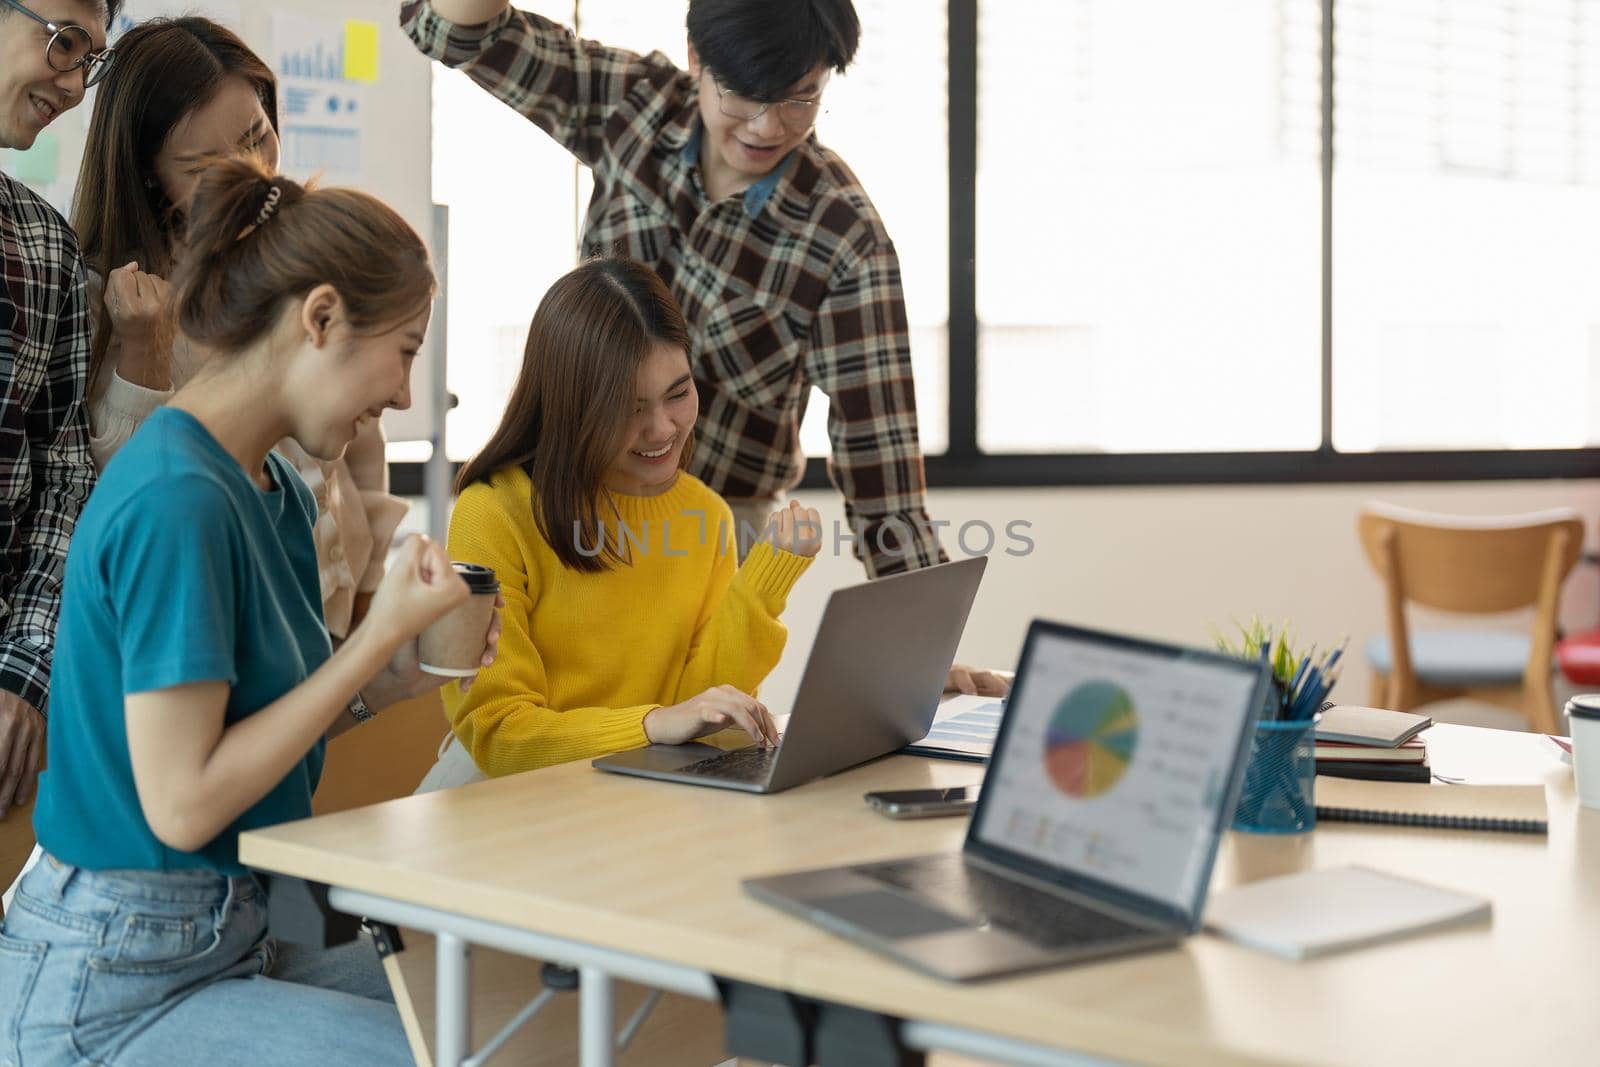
(1279, 779)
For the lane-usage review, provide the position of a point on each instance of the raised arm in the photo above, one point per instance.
(137, 377)
(196, 774)
(739, 637)
(367, 460)
(470, 12)
(568, 87)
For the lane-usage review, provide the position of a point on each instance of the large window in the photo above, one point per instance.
(513, 231)
(1147, 228)
(1466, 303)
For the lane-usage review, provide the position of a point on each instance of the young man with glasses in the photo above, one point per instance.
(50, 51)
(782, 266)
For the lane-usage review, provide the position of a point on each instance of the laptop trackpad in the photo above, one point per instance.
(661, 758)
(889, 914)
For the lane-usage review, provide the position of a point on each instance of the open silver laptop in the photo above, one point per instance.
(1114, 775)
(871, 685)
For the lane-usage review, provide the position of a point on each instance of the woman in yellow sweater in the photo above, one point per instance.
(628, 619)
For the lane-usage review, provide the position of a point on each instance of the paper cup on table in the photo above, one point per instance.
(1583, 718)
(453, 646)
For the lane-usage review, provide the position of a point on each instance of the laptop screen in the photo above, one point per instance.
(1114, 760)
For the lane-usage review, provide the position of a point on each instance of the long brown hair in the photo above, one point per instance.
(165, 70)
(257, 240)
(569, 412)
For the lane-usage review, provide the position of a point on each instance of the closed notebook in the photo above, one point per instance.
(1412, 751)
(1511, 808)
(1369, 726)
(1314, 913)
(1376, 770)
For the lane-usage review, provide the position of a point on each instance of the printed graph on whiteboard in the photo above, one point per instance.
(317, 149)
(318, 59)
(324, 67)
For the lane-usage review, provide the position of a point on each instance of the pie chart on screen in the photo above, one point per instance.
(1091, 739)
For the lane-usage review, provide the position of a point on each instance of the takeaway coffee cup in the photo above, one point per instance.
(1583, 718)
(453, 646)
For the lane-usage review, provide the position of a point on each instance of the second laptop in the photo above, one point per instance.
(871, 685)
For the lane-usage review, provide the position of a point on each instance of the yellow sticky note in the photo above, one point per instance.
(360, 51)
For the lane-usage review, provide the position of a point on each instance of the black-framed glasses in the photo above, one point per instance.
(70, 47)
(795, 115)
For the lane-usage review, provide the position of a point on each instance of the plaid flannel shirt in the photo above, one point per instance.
(45, 469)
(794, 283)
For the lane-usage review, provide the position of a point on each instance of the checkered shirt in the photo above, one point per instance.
(45, 468)
(794, 283)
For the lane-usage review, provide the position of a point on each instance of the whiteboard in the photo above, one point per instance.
(355, 101)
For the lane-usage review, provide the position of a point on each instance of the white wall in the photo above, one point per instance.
(1173, 562)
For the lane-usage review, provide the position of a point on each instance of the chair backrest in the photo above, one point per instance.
(16, 842)
(1471, 563)
(385, 758)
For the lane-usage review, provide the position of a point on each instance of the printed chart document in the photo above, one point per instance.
(1313, 913)
(964, 728)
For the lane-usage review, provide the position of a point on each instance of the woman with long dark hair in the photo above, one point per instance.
(628, 617)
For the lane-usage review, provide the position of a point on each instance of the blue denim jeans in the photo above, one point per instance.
(174, 967)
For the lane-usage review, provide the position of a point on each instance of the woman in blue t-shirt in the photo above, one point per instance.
(194, 683)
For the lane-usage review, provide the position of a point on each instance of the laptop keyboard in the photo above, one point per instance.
(1044, 919)
(751, 764)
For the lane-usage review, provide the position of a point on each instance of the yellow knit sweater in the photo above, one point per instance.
(584, 657)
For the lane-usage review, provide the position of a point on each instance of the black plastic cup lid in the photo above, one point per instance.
(1584, 706)
(479, 579)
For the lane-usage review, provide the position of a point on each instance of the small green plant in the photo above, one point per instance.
(1300, 678)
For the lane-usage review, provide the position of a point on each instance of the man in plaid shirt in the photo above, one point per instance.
(780, 262)
(48, 48)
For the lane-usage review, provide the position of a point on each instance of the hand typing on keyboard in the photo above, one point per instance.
(716, 709)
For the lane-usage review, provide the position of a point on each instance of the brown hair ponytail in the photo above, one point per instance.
(257, 240)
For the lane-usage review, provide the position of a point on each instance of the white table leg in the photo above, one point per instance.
(452, 1029)
(597, 1022)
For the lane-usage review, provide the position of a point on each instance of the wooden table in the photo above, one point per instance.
(640, 880)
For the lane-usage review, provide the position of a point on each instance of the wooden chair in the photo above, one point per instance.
(1477, 565)
(382, 759)
(16, 844)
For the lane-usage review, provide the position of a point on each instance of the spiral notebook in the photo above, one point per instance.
(1508, 808)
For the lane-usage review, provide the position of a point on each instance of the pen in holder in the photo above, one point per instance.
(1279, 778)
(1281, 770)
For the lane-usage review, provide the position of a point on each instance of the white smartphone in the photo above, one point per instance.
(924, 803)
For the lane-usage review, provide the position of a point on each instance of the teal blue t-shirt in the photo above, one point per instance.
(181, 570)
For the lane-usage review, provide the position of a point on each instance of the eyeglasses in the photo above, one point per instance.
(794, 114)
(70, 48)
